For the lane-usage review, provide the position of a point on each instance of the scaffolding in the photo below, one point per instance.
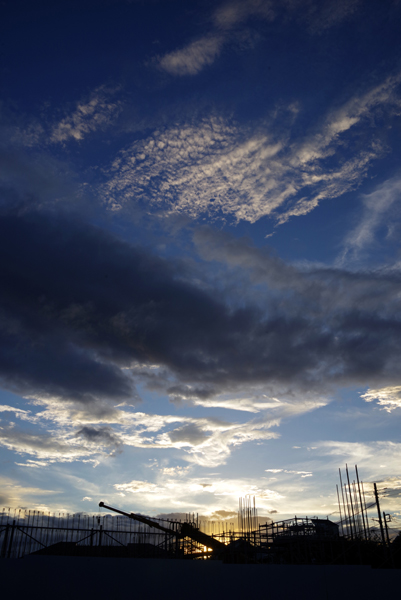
(300, 540)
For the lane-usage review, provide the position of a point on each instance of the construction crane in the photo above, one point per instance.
(181, 530)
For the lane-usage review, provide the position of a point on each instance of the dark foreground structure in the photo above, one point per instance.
(108, 556)
(66, 578)
(297, 541)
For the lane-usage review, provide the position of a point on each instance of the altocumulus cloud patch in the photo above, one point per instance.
(215, 166)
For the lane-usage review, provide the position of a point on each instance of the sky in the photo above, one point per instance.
(200, 290)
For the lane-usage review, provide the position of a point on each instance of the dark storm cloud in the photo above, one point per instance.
(189, 433)
(102, 436)
(78, 307)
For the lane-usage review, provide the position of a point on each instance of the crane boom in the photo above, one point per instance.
(141, 519)
(185, 530)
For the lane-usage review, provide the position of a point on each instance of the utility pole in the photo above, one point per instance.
(387, 518)
(379, 515)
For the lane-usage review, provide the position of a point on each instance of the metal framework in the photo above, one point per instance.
(352, 540)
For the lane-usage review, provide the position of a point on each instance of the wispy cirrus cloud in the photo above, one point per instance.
(227, 23)
(229, 14)
(379, 208)
(203, 51)
(381, 459)
(378, 454)
(191, 59)
(301, 473)
(322, 15)
(14, 494)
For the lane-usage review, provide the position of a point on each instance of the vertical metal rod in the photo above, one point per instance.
(346, 507)
(5, 540)
(358, 522)
(350, 497)
(361, 503)
(339, 507)
(47, 530)
(52, 531)
(366, 510)
(11, 539)
(79, 528)
(21, 536)
(26, 538)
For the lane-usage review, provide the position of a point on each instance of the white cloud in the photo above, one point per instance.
(345, 117)
(217, 447)
(377, 461)
(365, 454)
(206, 494)
(216, 167)
(66, 413)
(208, 442)
(389, 397)
(45, 447)
(139, 487)
(252, 399)
(192, 58)
(287, 495)
(229, 14)
(175, 471)
(302, 473)
(242, 404)
(380, 207)
(35, 464)
(18, 412)
(13, 494)
(229, 18)
(323, 15)
(202, 52)
(74, 436)
(96, 113)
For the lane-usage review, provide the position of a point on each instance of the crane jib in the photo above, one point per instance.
(183, 530)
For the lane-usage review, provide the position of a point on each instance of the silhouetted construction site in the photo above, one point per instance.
(360, 536)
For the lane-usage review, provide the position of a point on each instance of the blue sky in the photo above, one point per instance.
(200, 217)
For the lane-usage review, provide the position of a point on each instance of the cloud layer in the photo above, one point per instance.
(218, 168)
(228, 27)
(86, 317)
(80, 310)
